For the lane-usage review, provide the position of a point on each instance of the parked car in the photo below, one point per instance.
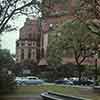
(83, 82)
(66, 82)
(74, 78)
(18, 80)
(30, 80)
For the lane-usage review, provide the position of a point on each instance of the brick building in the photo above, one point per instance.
(32, 43)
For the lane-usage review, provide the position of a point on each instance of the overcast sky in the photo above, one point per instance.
(9, 38)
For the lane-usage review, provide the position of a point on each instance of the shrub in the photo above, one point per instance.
(7, 83)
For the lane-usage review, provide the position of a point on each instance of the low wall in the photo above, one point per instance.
(56, 96)
(96, 89)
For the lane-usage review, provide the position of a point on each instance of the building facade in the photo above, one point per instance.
(33, 38)
(27, 44)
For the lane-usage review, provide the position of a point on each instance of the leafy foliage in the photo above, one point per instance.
(7, 83)
(6, 60)
(90, 10)
(76, 35)
(75, 39)
(47, 7)
(94, 26)
(54, 52)
(86, 9)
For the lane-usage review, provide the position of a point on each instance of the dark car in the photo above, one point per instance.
(83, 82)
(67, 82)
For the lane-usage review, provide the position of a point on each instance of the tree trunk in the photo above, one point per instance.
(96, 72)
(79, 72)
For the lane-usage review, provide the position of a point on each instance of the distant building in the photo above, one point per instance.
(27, 44)
(33, 39)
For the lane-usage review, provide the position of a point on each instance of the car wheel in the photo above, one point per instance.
(23, 84)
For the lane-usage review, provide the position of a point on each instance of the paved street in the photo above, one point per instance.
(26, 97)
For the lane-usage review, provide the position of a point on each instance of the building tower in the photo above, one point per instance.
(26, 46)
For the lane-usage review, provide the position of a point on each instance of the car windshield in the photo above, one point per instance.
(32, 77)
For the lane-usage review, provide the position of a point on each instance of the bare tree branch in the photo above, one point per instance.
(9, 8)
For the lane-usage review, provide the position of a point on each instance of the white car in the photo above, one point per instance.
(29, 80)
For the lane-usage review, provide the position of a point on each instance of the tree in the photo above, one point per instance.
(9, 9)
(47, 6)
(54, 55)
(93, 6)
(75, 39)
(6, 60)
(89, 12)
(7, 83)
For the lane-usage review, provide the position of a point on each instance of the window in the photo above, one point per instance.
(42, 52)
(33, 53)
(99, 54)
(22, 44)
(17, 59)
(26, 43)
(30, 36)
(29, 44)
(22, 54)
(17, 44)
(33, 43)
(29, 53)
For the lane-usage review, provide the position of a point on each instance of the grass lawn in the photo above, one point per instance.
(67, 90)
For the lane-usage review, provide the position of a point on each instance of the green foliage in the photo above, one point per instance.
(54, 51)
(94, 26)
(49, 5)
(7, 83)
(86, 9)
(72, 38)
(6, 60)
(77, 34)
(59, 72)
(89, 10)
